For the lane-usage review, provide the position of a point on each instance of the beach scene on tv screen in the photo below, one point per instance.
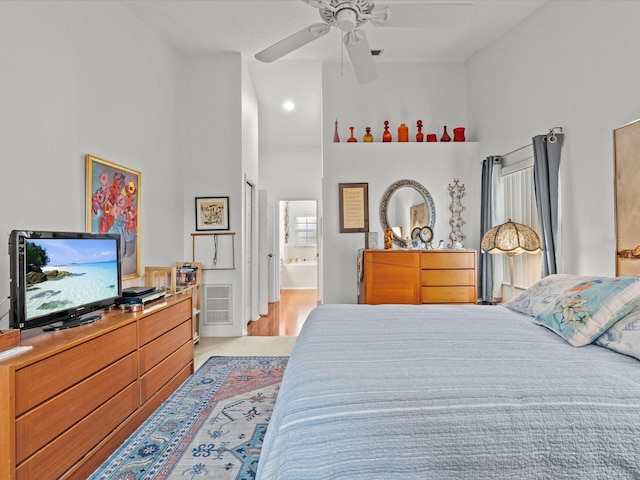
(67, 273)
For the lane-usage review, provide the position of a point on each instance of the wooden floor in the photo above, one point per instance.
(286, 316)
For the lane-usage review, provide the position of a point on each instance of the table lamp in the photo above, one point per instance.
(512, 239)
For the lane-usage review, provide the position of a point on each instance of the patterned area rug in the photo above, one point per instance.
(212, 426)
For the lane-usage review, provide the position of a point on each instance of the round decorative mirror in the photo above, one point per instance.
(405, 206)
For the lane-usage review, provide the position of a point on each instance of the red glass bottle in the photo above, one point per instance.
(351, 139)
(445, 136)
(336, 137)
(419, 135)
(386, 135)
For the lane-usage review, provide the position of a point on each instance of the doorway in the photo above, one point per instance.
(298, 253)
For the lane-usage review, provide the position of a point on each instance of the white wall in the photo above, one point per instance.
(218, 110)
(69, 85)
(432, 92)
(575, 65)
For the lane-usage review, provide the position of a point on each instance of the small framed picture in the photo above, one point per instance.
(371, 240)
(212, 213)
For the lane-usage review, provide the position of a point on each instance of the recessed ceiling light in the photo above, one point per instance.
(288, 105)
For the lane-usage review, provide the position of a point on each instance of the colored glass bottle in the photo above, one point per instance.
(445, 136)
(351, 139)
(403, 133)
(458, 134)
(386, 135)
(368, 137)
(419, 135)
(336, 137)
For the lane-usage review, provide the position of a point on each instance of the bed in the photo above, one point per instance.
(460, 392)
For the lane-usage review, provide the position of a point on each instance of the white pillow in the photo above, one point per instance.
(624, 335)
(543, 293)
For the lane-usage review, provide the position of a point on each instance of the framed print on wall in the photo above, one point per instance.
(626, 141)
(212, 213)
(113, 206)
(354, 207)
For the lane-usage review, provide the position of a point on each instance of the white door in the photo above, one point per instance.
(248, 228)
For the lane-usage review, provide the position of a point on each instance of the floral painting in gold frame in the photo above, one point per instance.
(113, 206)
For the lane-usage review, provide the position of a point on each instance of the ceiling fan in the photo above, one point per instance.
(348, 15)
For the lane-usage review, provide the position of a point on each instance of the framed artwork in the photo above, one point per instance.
(113, 206)
(354, 207)
(212, 213)
(626, 142)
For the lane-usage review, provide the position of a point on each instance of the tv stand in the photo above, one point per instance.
(73, 322)
(75, 396)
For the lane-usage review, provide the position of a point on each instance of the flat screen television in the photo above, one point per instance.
(57, 279)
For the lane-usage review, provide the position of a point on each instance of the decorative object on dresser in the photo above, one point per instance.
(354, 207)
(74, 397)
(456, 191)
(371, 240)
(113, 206)
(388, 239)
(418, 276)
(212, 213)
(179, 279)
(406, 204)
(512, 239)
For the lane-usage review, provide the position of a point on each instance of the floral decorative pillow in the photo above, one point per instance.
(624, 335)
(586, 310)
(544, 292)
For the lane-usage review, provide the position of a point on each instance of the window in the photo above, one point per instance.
(306, 228)
(520, 206)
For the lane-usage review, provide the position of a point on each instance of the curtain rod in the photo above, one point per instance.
(552, 131)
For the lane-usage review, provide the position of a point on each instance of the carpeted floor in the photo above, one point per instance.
(211, 427)
(242, 346)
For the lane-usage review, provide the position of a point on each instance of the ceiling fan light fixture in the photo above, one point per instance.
(346, 19)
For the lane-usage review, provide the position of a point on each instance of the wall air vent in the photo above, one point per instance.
(376, 53)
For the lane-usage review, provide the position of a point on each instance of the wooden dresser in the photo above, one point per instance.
(418, 276)
(70, 401)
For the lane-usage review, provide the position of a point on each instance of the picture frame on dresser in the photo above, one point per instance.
(113, 206)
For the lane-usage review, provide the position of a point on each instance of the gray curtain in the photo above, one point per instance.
(486, 273)
(546, 170)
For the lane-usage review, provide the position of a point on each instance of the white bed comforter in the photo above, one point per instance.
(444, 392)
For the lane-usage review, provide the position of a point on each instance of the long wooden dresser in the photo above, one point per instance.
(70, 401)
(418, 276)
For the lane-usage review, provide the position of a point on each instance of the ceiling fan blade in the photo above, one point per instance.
(357, 47)
(428, 15)
(292, 42)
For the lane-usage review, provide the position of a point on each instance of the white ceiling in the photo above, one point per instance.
(248, 26)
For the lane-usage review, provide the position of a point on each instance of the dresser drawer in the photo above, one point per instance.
(60, 454)
(154, 352)
(161, 322)
(45, 422)
(448, 259)
(447, 277)
(41, 380)
(155, 378)
(465, 294)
